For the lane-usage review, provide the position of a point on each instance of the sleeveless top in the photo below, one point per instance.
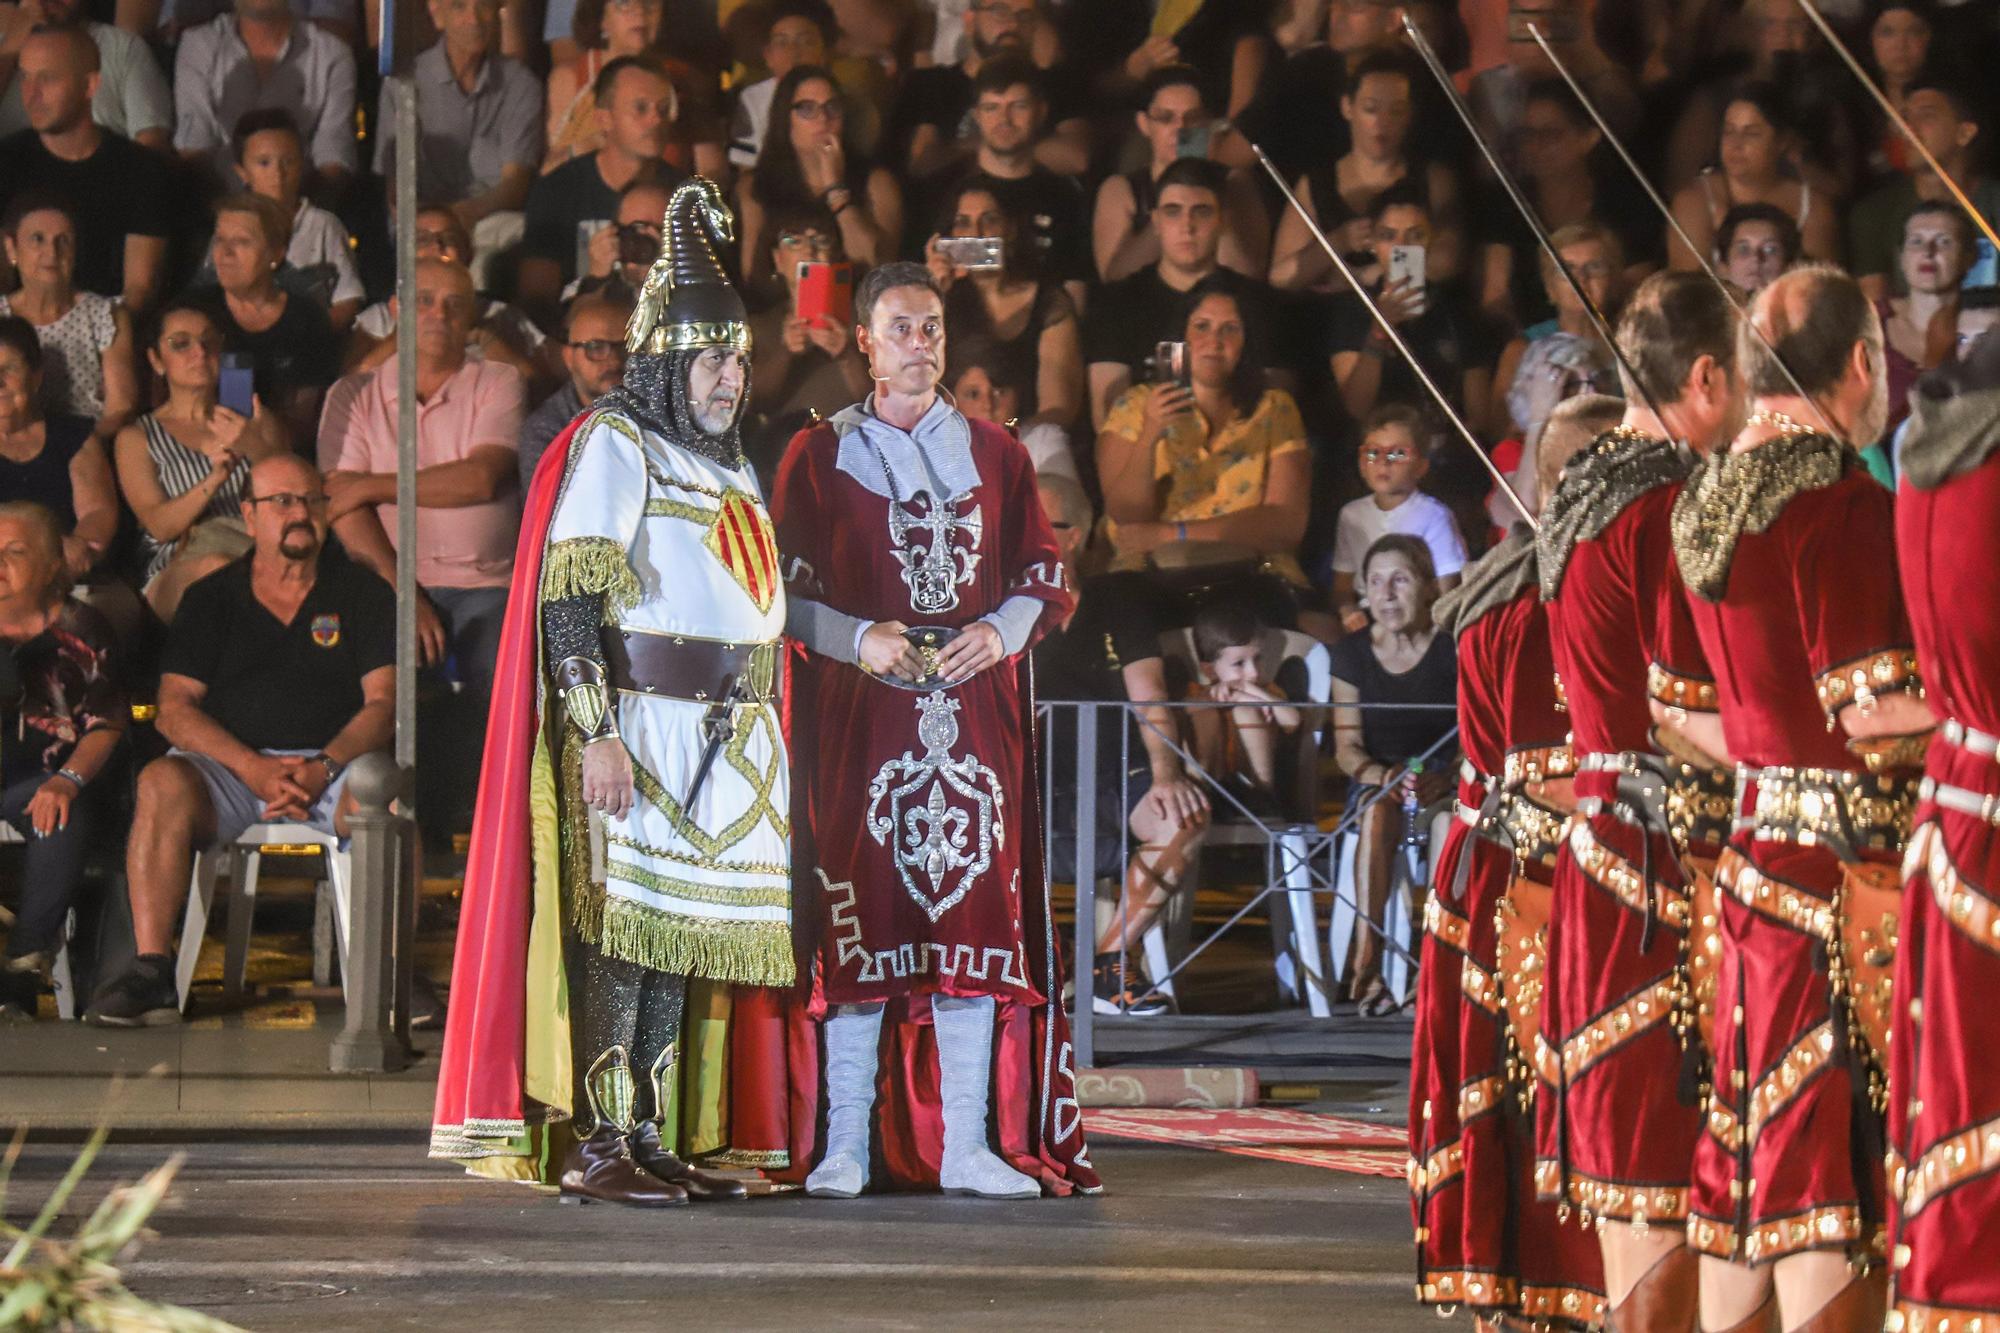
(45, 477)
(73, 354)
(180, 470)
(1395, 735)
(966, 314)
(1718, 209)
(1330, 205)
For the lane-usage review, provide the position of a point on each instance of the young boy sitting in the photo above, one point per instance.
(1239, 746)
(1393, 463)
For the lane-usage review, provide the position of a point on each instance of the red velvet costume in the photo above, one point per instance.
(918, 854)
(1797, 605)
(1484, 1238)
(1616, 1136)
(1944, 1105)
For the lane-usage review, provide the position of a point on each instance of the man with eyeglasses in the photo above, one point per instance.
(802, 32)
(279, 672)
(593, 352)
(933, 119)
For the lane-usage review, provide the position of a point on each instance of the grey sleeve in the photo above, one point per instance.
(1016, 621)
(823, 630)
(333, 139)
(148, 103)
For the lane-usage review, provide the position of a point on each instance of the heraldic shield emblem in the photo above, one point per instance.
(326, 630)
(941, 816)
(742, 539)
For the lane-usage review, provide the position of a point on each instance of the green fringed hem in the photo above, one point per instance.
(586, 566)
(754, 953)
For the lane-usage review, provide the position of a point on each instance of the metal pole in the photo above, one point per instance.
(1083, 1011)
(368, 1043)
(1728, 292)
(406, 423)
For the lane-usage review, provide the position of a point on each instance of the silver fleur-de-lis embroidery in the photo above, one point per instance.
(935, 566)
(944, 840)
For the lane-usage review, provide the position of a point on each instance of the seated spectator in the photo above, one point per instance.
(1753, 166)
(62, 733)
(1394, 459)
(1564, 356)
(1754, 244)
(1920, 328)
(1569, 178)
(1949, 122)
(1009, 116)
(1401, 658)
(1238, 746)
(502, 332)
(1294, 116)
(132, 99)
(809, 160)
(1032, 317)
(612, 32)
(569, 206)
(86, 338)
(183, 466)
(263, 58)
(621, 258)
(116, 191)
(1109, 652)
(801, 32)
(279, 672)
(593, 352)
(989, 381)
(1216, 457)
(1174, 123)
(1367, 369)
(1498, 95)
(1899, 52)
(468, 430)
(270, 158)
(55, 461)
(806, 369)
(1125, 317)
(482, 127)
(287, 339)
(1340, 195)
(935, 104)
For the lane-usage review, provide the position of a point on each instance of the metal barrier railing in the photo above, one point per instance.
(1294, 848)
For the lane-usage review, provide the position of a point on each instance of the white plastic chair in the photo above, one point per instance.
(61, 976)
(243, 859)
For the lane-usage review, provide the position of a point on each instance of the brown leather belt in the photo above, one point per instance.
(673, 666)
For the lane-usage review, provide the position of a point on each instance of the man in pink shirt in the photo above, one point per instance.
(468, 500)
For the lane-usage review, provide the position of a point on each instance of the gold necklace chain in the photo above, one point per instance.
(1788, 425)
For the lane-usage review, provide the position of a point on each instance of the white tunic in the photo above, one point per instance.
(698, 540)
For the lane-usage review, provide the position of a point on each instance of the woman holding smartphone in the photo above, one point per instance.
(287, 340)
(808, 159)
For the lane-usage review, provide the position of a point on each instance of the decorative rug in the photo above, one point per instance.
(1303, 1138)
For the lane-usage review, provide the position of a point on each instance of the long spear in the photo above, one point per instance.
(1396, 339)
(1728, 291)
(1534, 221)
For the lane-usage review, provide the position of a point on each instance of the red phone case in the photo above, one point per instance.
(827, 292)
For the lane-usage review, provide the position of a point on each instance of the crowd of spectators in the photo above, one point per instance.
(198, 254)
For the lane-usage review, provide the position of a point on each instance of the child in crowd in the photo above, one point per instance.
(1393, 463)
(271, 158)
(1239, 746)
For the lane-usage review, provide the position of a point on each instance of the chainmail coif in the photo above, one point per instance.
(655, 395)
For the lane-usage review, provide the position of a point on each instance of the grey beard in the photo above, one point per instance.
(655, 393)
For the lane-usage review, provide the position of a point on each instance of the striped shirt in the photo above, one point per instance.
(180, 470)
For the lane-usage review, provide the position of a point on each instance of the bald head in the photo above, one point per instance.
(447, 312)
(57, 72)
(1813, 317)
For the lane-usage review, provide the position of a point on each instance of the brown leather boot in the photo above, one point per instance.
(1860, 1305)
(600, 1167)
(650, 1151)
(1663, 1301)
(1762, 1320)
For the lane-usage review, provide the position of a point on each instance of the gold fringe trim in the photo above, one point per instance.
(755, 953)
(749, 1159)
(585, 566)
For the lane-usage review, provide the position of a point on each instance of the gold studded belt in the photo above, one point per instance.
(1532, 829)
(1844, 811)
(679, 666)
(1701, 802)
(1542, 763)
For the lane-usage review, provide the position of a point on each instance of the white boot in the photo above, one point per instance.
(853, 1035)
(965, 1066)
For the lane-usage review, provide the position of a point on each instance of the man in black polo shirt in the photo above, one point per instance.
(1129, 317)
(931, 128)
(279, 672)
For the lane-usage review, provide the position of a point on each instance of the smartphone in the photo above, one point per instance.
(1406, 265)
(238, 384)
(1170, 363)
(826, 291)
(1194, 140)
(974, 254)
(584, 231)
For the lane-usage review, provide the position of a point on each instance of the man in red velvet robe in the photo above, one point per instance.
(921, 568)
(1615, 1134)
(1944, 1093)
(1787, 548)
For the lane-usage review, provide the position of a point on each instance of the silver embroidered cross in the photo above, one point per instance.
(952, 829)
(934, 569)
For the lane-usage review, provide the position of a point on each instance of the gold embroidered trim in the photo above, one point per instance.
(691, 891)
(1729, 495)
(1598, 484)
(1776, 1090)
(1614, 1201)
(737, 755)
(1465, 1286)
(1879, 754)
(1947, 1164)
(680, 509)
(1450, 928)
(1687, 693)
(757, 953)
(1575, 1303)
(1786, 903)
(682, 858)
(1814, 1229)
(1622, 880)
(1862, 681)
(1481, 987)
(1830, 807)
(1965, 905)
(1542, 763)
(1916, 1317)
(1443, 1166)
(749, 1159)
(1481, 1097)
(1584, 1049)
(590, 566)
(1701, 804)
(1533, 830)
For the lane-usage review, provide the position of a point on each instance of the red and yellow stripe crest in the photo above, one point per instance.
(742, 539)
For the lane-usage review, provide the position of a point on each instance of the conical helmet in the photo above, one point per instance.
(688, 301)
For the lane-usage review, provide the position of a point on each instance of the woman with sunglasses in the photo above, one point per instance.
(183, 465)
(809, 160)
